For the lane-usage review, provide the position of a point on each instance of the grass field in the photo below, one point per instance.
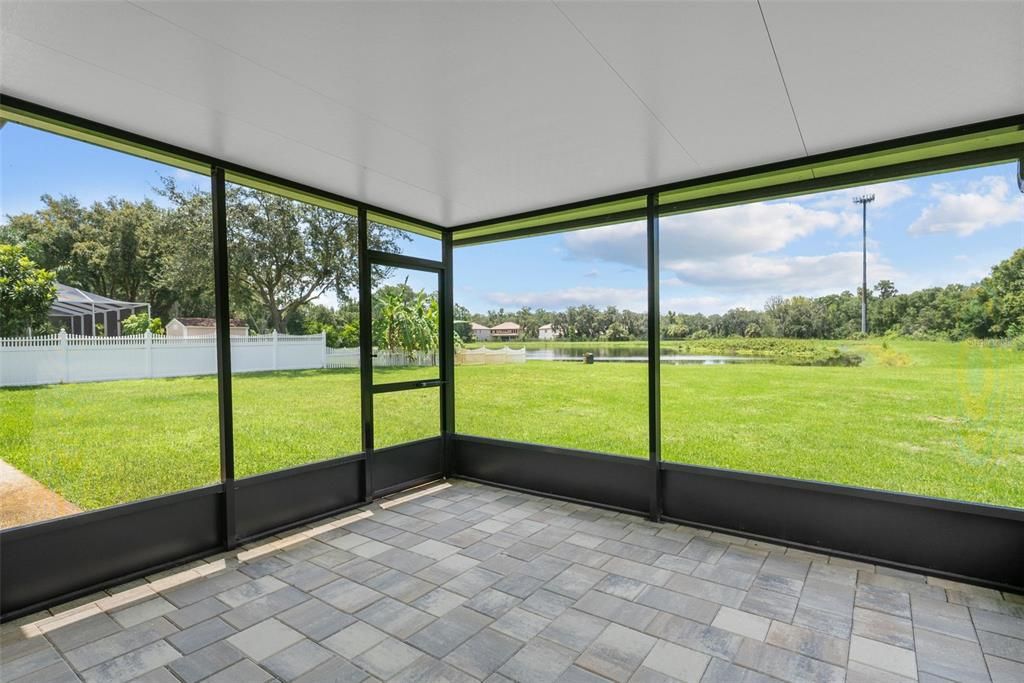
(934, 418)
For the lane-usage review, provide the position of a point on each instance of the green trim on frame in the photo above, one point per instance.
(402, 224)
(958, 148)
(290, 193)
(595, 212)
(860, 162)
(51, 125)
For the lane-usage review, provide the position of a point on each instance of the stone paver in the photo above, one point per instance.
(897, 660)
(574, 630)
(484, 653)
(678, 662)
(540, 660)
(297, 659)
(617, 652)
(264, 639)
(463, 582)
(743, 623)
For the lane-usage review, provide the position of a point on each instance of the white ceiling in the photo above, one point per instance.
(454, 112)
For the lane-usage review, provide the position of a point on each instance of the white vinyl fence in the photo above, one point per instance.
(484, 356)
(349, 358)
(65, 359)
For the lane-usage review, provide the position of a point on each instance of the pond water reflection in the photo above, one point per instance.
(633, 354)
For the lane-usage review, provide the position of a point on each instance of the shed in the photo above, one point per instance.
(203, 327)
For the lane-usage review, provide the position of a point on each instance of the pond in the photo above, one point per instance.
(634, 354)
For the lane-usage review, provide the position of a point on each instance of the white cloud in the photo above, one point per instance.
(743, 280)
(633, 299)
(734, 252)
(784, 275)
(851, 218)
(983, 204)
(708, 235)
(558, 299)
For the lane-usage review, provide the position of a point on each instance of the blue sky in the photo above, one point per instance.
(922, 232)
(34, 163)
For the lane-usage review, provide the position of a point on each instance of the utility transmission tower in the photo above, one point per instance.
(864, 200)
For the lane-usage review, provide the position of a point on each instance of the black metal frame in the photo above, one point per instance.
(613, 482)
(933, 165)
(115, 544)
(946, 538)
(50, 562)
(851, 179)
(274, 501)
(393, 468)
(223, 327)
(447, 345)
(126, 541)
(958, 540)
(200, 158)
(654, 354)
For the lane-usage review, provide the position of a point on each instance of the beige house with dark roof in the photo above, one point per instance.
(202, 327)
(506, 331)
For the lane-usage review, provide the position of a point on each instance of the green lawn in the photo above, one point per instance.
(935, 418)
(103, 443)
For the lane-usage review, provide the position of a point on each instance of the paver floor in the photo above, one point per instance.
(462, 582)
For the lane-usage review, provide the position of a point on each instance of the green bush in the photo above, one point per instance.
(26, 292)
(777, 349)
(140, 322)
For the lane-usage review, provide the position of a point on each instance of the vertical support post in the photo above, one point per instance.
(62, 342)
(323, 349)
(447, 354)
(223, 328)
(366, 348)
(147, 340)
(273, 339)
(654, 354)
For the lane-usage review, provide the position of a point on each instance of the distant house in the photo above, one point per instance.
(548, 332)
(202, 327)
(506, 331)
(480, 332)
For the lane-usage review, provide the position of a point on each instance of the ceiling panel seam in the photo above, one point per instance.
(230, 117)
(782, 76)
(318, 93)
(626, 83)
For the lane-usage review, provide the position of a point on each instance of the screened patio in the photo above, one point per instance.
(81, 311)
(582, 513)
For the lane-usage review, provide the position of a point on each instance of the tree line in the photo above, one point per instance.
(285, 255)
(991, 308)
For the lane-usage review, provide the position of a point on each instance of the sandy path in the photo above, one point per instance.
(24, 500)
